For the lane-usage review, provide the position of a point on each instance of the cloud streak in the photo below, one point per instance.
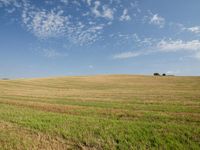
(126, 55)
(195, 29)
(164, 46)
(178, 45)
(51, 53)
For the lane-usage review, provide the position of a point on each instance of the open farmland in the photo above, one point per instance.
(100, 112)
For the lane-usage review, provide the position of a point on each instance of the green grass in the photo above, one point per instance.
(100, 112)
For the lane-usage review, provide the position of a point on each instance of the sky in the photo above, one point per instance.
(41, 38)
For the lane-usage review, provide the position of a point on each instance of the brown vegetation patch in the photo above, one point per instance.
(44, 106)
(22, 138)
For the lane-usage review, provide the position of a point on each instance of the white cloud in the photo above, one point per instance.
(163, 46)
(65, 1)
(170, 72)
(6, 2)
(45, 24)
(106, 11)
(95, 8)
(126, 55)
(51, 53)
(55, 23)
(15, 3)
(155, 19)
(89, 2)
(55, 19)
(173, 46)
(195, 29)
(83, 35)
(125, 16)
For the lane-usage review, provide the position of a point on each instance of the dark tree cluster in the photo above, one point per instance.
(4, 79)
(158, 74)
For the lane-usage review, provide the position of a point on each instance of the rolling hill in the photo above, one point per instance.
(100, 112)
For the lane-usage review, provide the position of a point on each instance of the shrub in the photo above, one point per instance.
(156, 74)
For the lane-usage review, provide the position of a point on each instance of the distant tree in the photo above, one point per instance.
(163, 74)
(5, 78)
(156, 74)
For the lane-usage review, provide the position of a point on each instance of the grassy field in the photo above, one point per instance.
(100, 112)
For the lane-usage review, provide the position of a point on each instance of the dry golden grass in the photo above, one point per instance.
(22, 138)
(164, 107)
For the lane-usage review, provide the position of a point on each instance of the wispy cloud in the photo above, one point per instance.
(172, 72)
(50, 24)
(195, 29)
(45, 24)
(15, 3)
(89, 2)
(51, 53)
(178, 45)
(163, 46)
(84, 35)
(6, 2)
(157, 20)
(126, 55)
(106, 12)
(125, 16)
(65, 1)
(55, 20)
(192, 47)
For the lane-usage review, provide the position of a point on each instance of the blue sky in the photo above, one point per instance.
(87, 37)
